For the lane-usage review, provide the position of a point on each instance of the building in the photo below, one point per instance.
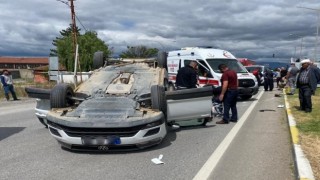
(22, 62)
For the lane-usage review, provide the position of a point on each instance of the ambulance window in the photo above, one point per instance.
(231, 63)
(186, 63)
(203, 69)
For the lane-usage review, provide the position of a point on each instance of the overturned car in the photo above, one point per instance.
(123, 106)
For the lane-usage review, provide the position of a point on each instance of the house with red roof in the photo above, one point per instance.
(22, 62)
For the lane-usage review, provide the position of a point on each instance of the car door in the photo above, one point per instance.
(189, 104)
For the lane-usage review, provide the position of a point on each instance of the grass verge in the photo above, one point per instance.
(21, 84)
(309, 129)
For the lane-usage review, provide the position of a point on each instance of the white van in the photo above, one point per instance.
(209, 59)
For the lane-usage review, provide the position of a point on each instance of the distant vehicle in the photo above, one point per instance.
(208, 61)
(123, 106)
(252, 69)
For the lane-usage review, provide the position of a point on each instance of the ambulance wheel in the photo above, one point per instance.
(158, 99)
(162, 59)
(166, 84)
(60, 96)
(98, 60)
(171, 87)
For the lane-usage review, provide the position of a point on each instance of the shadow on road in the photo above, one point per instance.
(9, 131)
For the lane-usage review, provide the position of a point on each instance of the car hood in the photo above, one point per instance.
(110, 107)
(105, 112)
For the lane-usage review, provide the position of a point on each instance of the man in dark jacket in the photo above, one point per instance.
(268, 79)
(187, 76)
(307, 84)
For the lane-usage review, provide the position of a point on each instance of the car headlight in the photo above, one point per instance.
(153, 124)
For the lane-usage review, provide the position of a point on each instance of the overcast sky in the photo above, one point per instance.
(247, 28)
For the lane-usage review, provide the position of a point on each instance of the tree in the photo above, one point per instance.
(63, 33)
(139, 52)
(88, 43)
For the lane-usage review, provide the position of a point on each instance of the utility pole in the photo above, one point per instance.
(317, 37)
(74, 27)
(74, 39)
(301, 48)
(75, 43)
(295, 46)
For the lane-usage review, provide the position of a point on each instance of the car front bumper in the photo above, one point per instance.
(133, 138)
(40, 113)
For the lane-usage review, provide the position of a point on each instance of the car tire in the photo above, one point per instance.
(162, 59)
(98, 60)
(38, 92)
(245, 97)
(158, 99)
(43, 122)
(60, 96)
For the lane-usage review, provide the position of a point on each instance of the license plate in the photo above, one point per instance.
(100, 140)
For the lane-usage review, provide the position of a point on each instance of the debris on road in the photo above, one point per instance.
(158, 160)
(262, 110)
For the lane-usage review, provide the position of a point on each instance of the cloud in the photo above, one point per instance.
(252, 29)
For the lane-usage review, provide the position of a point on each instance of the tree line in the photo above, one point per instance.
(89, 43)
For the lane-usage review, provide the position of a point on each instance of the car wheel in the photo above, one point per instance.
(37, 92)
(162, 59)
(43, 122)
(60, 96)
(158, 99)
(246, 97)
(98, 60)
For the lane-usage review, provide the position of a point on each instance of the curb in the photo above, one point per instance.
(304, 171)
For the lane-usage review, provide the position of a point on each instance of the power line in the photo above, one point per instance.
(66, 3)
(81, 23)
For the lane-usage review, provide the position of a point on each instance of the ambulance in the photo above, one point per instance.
(208, 60)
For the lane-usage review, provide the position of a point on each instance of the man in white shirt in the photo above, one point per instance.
(7, 83)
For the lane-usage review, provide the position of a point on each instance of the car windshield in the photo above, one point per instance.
(251, 68)
(231, 63)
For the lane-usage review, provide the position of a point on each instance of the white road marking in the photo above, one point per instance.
(213, 160)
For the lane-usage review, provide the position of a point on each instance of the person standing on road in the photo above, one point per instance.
(7, 83)
(229, 94)
(292, 77)
(268, 79)
(283, 73)
(257, 73)
(187, 76)
(278, 77)
(307, 84)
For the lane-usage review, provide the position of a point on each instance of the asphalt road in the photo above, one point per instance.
(29, 152)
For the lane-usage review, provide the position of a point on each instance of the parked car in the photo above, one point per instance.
(123, 106)
(252, 68)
